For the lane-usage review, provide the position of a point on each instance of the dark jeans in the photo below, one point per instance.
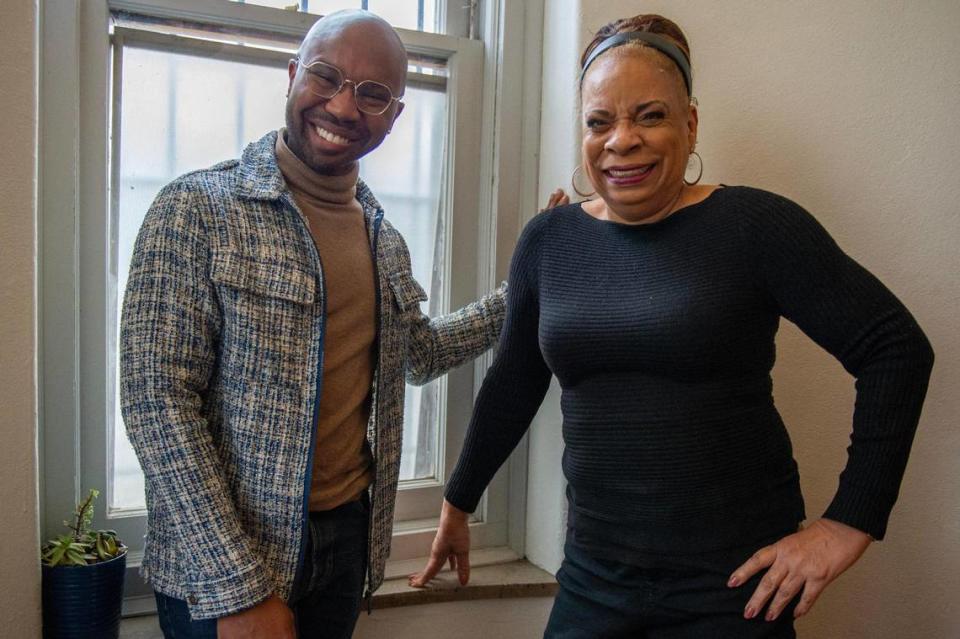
(327, 596)
(688, 599)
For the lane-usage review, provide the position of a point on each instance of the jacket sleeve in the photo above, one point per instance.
(852, 315)
(437, 345)
(169, 329)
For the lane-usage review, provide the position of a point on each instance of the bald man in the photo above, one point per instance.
(269, 322)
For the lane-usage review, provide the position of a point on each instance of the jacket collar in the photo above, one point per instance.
(261, 179)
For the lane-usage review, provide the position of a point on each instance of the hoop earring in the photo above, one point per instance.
(573, 183)
(699, 173)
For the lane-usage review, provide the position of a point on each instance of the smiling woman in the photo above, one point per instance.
(656, 306)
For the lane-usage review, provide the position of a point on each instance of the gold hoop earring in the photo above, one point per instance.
(573, 183)
(700, 166)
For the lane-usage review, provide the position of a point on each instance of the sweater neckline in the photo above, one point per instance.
(324, 190)
(660, 224)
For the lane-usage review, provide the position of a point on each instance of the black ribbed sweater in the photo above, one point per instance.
(662, 338)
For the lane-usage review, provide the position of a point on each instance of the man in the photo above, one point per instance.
(268, 324)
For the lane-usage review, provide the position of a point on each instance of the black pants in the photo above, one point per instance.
(326, 599)
(604, 599)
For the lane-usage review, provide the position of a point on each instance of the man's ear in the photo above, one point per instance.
(291, 73)
(396, 115)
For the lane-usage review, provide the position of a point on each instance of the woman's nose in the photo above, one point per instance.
(623, 138)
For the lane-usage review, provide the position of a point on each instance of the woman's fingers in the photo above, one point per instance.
(759, 560)
(789, 588)
(804, 562)
(463, 567)
(422, 578)
(768, 586)
(811, 591)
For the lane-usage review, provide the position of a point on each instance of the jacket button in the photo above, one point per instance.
(192, 600)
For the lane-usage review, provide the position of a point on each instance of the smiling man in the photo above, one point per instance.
(269, 322)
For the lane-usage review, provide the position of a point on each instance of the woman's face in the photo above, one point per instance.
(638, 131)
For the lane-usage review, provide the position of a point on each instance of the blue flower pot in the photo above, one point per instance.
(83, 602)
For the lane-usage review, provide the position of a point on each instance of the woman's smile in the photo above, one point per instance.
(628, 175)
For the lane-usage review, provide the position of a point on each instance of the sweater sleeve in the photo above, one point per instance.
(515, 384)
(851, 314)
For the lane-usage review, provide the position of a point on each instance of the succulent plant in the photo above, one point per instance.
(82, 546)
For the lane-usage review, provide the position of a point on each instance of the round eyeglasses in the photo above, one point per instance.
(326, 81)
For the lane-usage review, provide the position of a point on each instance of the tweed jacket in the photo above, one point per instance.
(221, 350)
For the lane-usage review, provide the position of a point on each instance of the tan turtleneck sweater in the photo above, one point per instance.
(342, 465)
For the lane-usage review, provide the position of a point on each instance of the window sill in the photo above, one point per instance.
(517, 578)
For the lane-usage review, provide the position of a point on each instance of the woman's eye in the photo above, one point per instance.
(652, 117)
(595, 125)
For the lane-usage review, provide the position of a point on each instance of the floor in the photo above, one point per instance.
(516, 618)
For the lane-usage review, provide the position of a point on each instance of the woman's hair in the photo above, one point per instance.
(649, 22)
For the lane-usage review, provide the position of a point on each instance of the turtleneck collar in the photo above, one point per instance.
(302, 180)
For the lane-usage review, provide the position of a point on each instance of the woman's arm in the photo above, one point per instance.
(509, 398)
(851, 314)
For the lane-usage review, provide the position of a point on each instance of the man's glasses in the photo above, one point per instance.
(326, 81)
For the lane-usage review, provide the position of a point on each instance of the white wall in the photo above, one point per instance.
(20, 575)
(850, 109)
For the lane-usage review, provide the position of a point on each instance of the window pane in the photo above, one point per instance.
(418, 15)
(405, 174)
(182, 112)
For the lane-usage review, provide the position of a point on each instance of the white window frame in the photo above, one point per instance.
(489, 192)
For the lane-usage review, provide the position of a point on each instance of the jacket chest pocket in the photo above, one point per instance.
(256, 286)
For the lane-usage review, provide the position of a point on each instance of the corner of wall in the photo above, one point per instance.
(20, 580)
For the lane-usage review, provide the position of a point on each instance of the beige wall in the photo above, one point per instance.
(20, 576)
(850, 108)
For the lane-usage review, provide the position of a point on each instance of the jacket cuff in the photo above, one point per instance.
(226, 595)
(494, 306)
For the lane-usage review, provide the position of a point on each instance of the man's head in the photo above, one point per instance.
(331, 134)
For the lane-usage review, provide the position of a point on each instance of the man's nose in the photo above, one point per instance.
(343, 105)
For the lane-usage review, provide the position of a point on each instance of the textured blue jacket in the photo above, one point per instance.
(221, 365)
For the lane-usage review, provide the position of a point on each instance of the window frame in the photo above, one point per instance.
(76, 138)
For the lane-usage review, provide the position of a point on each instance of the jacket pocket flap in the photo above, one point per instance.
(277, 278)
(406, 291)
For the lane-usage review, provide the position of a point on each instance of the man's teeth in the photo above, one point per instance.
(621, 173)
(331, 137)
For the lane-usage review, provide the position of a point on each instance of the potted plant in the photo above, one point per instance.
(83, 579)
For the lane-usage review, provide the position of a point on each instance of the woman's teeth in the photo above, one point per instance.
(625, 173)
(331, 137)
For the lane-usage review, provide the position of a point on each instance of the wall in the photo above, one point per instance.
(20, 577)
(848, 108)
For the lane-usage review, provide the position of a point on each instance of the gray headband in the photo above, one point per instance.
(658, 42)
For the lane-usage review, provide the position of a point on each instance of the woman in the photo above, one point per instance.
(656, 306)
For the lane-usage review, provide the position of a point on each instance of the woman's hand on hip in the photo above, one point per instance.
(451, 543)
(805, 561)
